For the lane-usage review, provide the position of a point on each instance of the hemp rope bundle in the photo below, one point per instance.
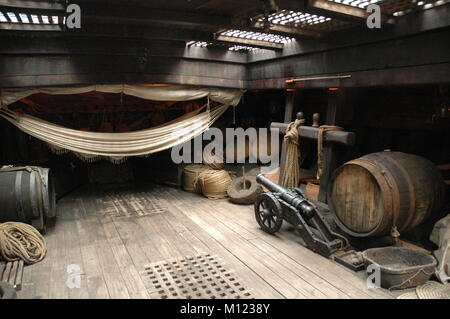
(190, 177)
(214, 183)
(21, 241)
(322, 130)
(291, 173)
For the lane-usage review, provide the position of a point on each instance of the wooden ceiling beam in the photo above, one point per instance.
(249, 42)
(29, 27)
(345, 11)
(286, 30)
(39, 5)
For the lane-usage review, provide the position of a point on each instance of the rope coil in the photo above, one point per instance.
(190, 177)
(214, 183)
(21, 241)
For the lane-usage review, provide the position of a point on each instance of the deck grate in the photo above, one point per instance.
(202, 276)
(130, 204)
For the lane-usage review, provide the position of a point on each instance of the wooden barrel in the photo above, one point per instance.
(27, 196)
(370, 195)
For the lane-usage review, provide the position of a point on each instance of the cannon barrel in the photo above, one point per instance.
(271, 186)
(292, 198)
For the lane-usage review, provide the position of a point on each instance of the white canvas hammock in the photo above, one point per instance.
(92, 146)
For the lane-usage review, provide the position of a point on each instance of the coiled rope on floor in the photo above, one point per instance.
(21, 241)
(214, 183)
(190, 177)
(291, 172)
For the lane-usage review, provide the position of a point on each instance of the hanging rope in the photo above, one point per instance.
(21, 241)
(322, 130)
(214, 183)
(291, 173)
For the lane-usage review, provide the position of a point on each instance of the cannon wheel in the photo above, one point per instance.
(268, 213)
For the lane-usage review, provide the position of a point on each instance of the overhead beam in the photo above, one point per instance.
(250, 42)
(50, 70)
(345, 11)
(146, 16)
(76, 45)
(328, 9)
(50, 5)
(286, 30)
(28, 11)
(29, 27)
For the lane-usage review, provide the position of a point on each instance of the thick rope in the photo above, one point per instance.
(320, 138)
(21, 241)
(190, 177)
(291, 172)
(214, 183)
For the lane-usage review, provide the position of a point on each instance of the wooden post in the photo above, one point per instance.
(289, 109)
(330, 156)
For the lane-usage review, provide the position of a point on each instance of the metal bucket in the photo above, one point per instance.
(400, 267)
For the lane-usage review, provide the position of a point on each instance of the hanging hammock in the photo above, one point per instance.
(91, 146)
(117, 147)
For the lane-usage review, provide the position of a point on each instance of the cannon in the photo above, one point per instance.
(291, 205)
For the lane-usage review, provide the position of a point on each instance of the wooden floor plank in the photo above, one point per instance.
(73, 215)
(288, 242)
(260, 288)
(130, 274)
(110, 270)
(112, 251)
(95, 281)
(240, 249)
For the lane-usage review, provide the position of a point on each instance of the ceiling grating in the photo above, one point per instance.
(230, 47)
(257, 36)
(201, 44)
(356, 3)
(24, 18)
(416, 5)
(242, 48)
(293, 18)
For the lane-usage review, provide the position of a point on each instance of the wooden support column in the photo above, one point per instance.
(330, 152)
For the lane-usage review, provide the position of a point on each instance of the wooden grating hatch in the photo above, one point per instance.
(202, 276)
(130, 204)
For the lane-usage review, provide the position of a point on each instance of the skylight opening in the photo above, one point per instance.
(356, 3)
(259, 36)
(35, 19)
(242, 48)
(201, 44)
(12, 17)
(3, 18)
(294, 18)
(24, 18)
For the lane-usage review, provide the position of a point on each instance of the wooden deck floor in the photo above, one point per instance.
(111, 251)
